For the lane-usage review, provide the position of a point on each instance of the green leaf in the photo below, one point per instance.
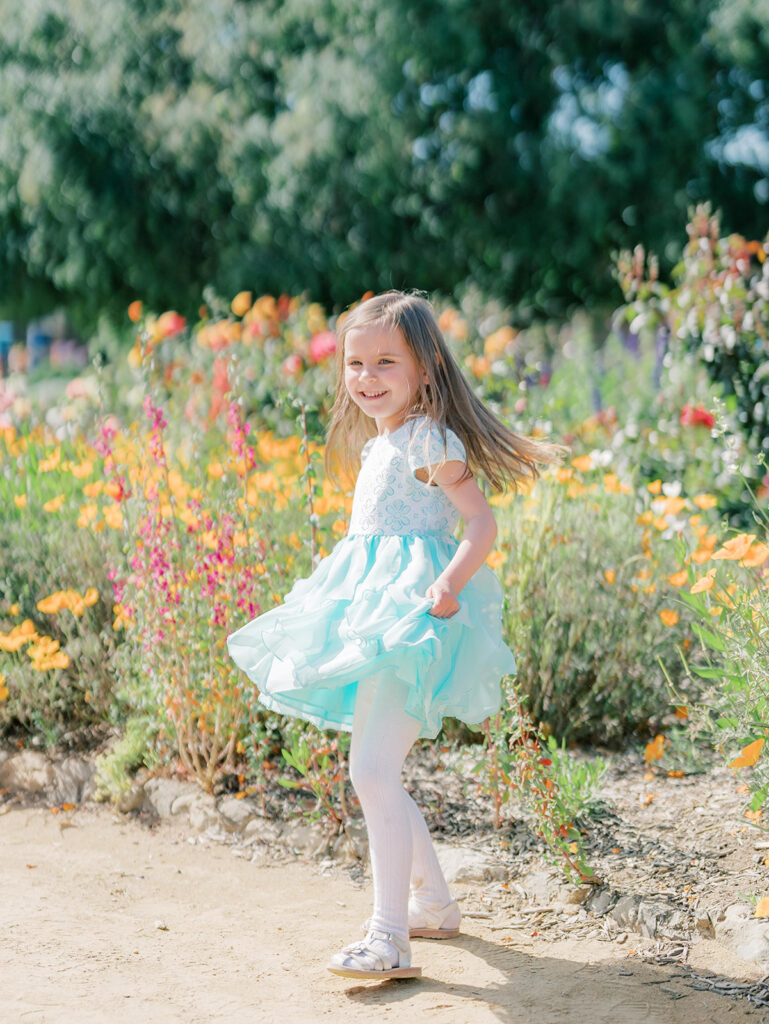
(711, 640)
(759, 798)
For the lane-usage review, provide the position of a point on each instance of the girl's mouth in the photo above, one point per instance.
(372, 394)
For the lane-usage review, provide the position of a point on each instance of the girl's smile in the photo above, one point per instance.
(381, 374)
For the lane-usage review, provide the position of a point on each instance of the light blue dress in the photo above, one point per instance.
(364, 610)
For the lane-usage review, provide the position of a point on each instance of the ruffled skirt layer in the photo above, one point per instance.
(363, 610)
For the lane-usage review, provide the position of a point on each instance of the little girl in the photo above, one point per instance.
(400, 624)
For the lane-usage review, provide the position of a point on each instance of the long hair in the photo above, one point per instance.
(493, 450)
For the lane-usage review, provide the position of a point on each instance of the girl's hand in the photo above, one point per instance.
(445, 603)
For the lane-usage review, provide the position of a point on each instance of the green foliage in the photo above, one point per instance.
(733, 628)
(587, 647)
(136, 748)
(152, 149)
(717, 309)
(43, 553)
(321, 764)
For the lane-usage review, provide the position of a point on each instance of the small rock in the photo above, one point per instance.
(131, 800)
(161, 795)
(460, 864)
(299, 836)
(73, 780)
(743, 934)
(601, 901)
(29, 771)
(236, 814)
(625, 911)
(202, 812)
(540, 887)
(161, 926)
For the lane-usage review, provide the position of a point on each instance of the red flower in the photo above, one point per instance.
(322, 346)
(697, 416)
(170, 323)
(292, 364)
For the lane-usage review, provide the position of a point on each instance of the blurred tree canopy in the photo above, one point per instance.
(151, 147)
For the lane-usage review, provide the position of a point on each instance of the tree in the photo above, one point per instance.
(330, 147)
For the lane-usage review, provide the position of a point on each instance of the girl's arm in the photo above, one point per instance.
(477, 539)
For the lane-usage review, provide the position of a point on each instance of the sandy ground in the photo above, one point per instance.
(81, 892)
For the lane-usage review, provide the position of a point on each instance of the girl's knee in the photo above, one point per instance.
(363, 772)
(373, 775)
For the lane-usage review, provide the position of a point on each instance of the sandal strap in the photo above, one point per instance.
(370, 959)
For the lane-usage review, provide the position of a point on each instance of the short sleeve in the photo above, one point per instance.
(426, 446)
(366, 449)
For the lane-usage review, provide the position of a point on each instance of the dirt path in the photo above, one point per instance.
(81, 894)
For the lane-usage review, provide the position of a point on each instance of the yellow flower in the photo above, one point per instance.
(339, 527)
(55, 503)
(52, 604)
(669, 616)
(113, 516)
(749, 755)
(4, 691)
(611, 483)
(702, 555)
(241, 304)
(645, 518)
(659, 523)
(122, 619)
(695, 520)
(704, 582)
(495, 559)
(13, 610)
(704, 501)
(94, 489)
(215, 470)
(20, 499)
(654, 487)
(52, 462)
(609, 574)
(736, 548)
(678, 578)
(672, 506)
(583, 463)
(756, 556)
(87, 513)
(82, 469)
(655, 749)
(91, 596)
(497, 342)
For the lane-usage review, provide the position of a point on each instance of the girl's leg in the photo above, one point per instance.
(427, 885)
(382, 735)
(399, 841)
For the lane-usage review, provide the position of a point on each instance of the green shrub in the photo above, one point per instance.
(587, 597)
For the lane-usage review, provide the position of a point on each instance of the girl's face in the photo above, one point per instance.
(381, 374)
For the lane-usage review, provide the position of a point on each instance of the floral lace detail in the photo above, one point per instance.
(388, 498)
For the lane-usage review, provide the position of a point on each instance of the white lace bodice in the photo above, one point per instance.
(388, 498)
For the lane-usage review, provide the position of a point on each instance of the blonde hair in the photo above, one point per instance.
(492, 449)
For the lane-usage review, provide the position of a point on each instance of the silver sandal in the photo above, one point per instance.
(371, 958)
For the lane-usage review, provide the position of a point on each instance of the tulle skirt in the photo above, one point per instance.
(364, 610)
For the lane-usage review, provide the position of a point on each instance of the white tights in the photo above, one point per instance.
(402, 854)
